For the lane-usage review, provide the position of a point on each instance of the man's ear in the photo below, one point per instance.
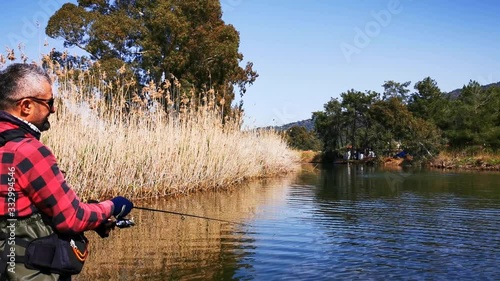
(26, 107)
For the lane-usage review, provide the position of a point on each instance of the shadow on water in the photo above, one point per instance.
(323, 223)
(171, 247)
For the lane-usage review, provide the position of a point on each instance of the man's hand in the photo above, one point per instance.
(122, 206)
(105, 228)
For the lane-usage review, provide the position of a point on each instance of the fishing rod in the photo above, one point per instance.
(186, 215)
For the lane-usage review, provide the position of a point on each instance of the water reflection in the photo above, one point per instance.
(324, 223)
(169, 247)
(357, 182)
(428, 224)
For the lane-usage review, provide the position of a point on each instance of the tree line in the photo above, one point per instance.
(422, 122)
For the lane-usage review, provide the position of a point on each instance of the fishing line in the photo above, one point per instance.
(186, 215)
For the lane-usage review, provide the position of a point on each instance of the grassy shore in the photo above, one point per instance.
(444, 160)
(470, 161)
(140, 150)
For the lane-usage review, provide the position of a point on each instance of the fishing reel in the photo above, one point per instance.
(105, 228)
(124, 223)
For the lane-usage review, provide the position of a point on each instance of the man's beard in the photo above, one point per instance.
(45, 126)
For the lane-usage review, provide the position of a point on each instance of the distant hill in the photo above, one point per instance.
(308, 124)
(456, 93)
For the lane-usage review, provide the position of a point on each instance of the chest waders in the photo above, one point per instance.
(17, 233)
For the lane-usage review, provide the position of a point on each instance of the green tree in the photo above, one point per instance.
(363, 120)
(429, 102)
(474, 119)
(183, 38)
(395, 123)
(329, 126)
(298, 137)
(394, 89)
(355, 106)
(491, 118)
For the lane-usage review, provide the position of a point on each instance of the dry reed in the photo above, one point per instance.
(131, 146)
(110, 139)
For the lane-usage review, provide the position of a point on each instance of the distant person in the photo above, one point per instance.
(401, 154)
(347, 155)
(371, 154)
(35, 200)
(361, 156)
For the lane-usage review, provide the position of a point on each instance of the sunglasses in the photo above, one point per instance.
(49, 102)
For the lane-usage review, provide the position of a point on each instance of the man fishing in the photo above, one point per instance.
(35, 200)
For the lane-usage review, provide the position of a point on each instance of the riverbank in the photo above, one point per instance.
(444, 160)
(483, 162)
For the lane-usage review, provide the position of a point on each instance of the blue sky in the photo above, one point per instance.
(307, 52)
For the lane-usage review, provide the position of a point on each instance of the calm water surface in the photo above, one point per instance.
(324, 223)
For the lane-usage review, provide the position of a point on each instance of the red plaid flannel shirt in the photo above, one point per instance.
(29, 170)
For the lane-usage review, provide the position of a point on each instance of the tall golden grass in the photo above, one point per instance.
(132, 147)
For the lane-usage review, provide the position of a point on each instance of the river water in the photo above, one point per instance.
(323, 223)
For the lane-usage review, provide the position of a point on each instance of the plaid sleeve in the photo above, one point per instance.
(42, 181)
